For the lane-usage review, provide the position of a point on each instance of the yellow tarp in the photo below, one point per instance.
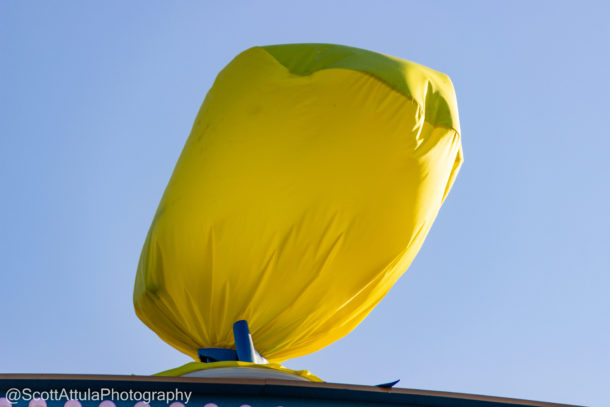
(197, 366)
(309, 181)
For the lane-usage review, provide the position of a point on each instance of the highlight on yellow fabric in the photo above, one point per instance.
(195, 366)
(310, 179)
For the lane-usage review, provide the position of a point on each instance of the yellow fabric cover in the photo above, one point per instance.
(309, 181)
(195, 366)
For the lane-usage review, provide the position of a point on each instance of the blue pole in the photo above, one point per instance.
(244, 346)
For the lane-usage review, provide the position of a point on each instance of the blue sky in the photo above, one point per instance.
(510, 294)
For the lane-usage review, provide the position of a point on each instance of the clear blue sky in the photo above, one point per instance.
(509, 296)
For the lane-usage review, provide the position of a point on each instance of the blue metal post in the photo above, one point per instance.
(244, 348)
(244, 345)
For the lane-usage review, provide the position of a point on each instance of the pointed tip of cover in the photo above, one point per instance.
(388, 385)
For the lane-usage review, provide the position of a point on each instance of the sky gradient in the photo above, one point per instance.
(510, 294)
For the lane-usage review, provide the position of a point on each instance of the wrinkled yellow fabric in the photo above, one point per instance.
(299, 199)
